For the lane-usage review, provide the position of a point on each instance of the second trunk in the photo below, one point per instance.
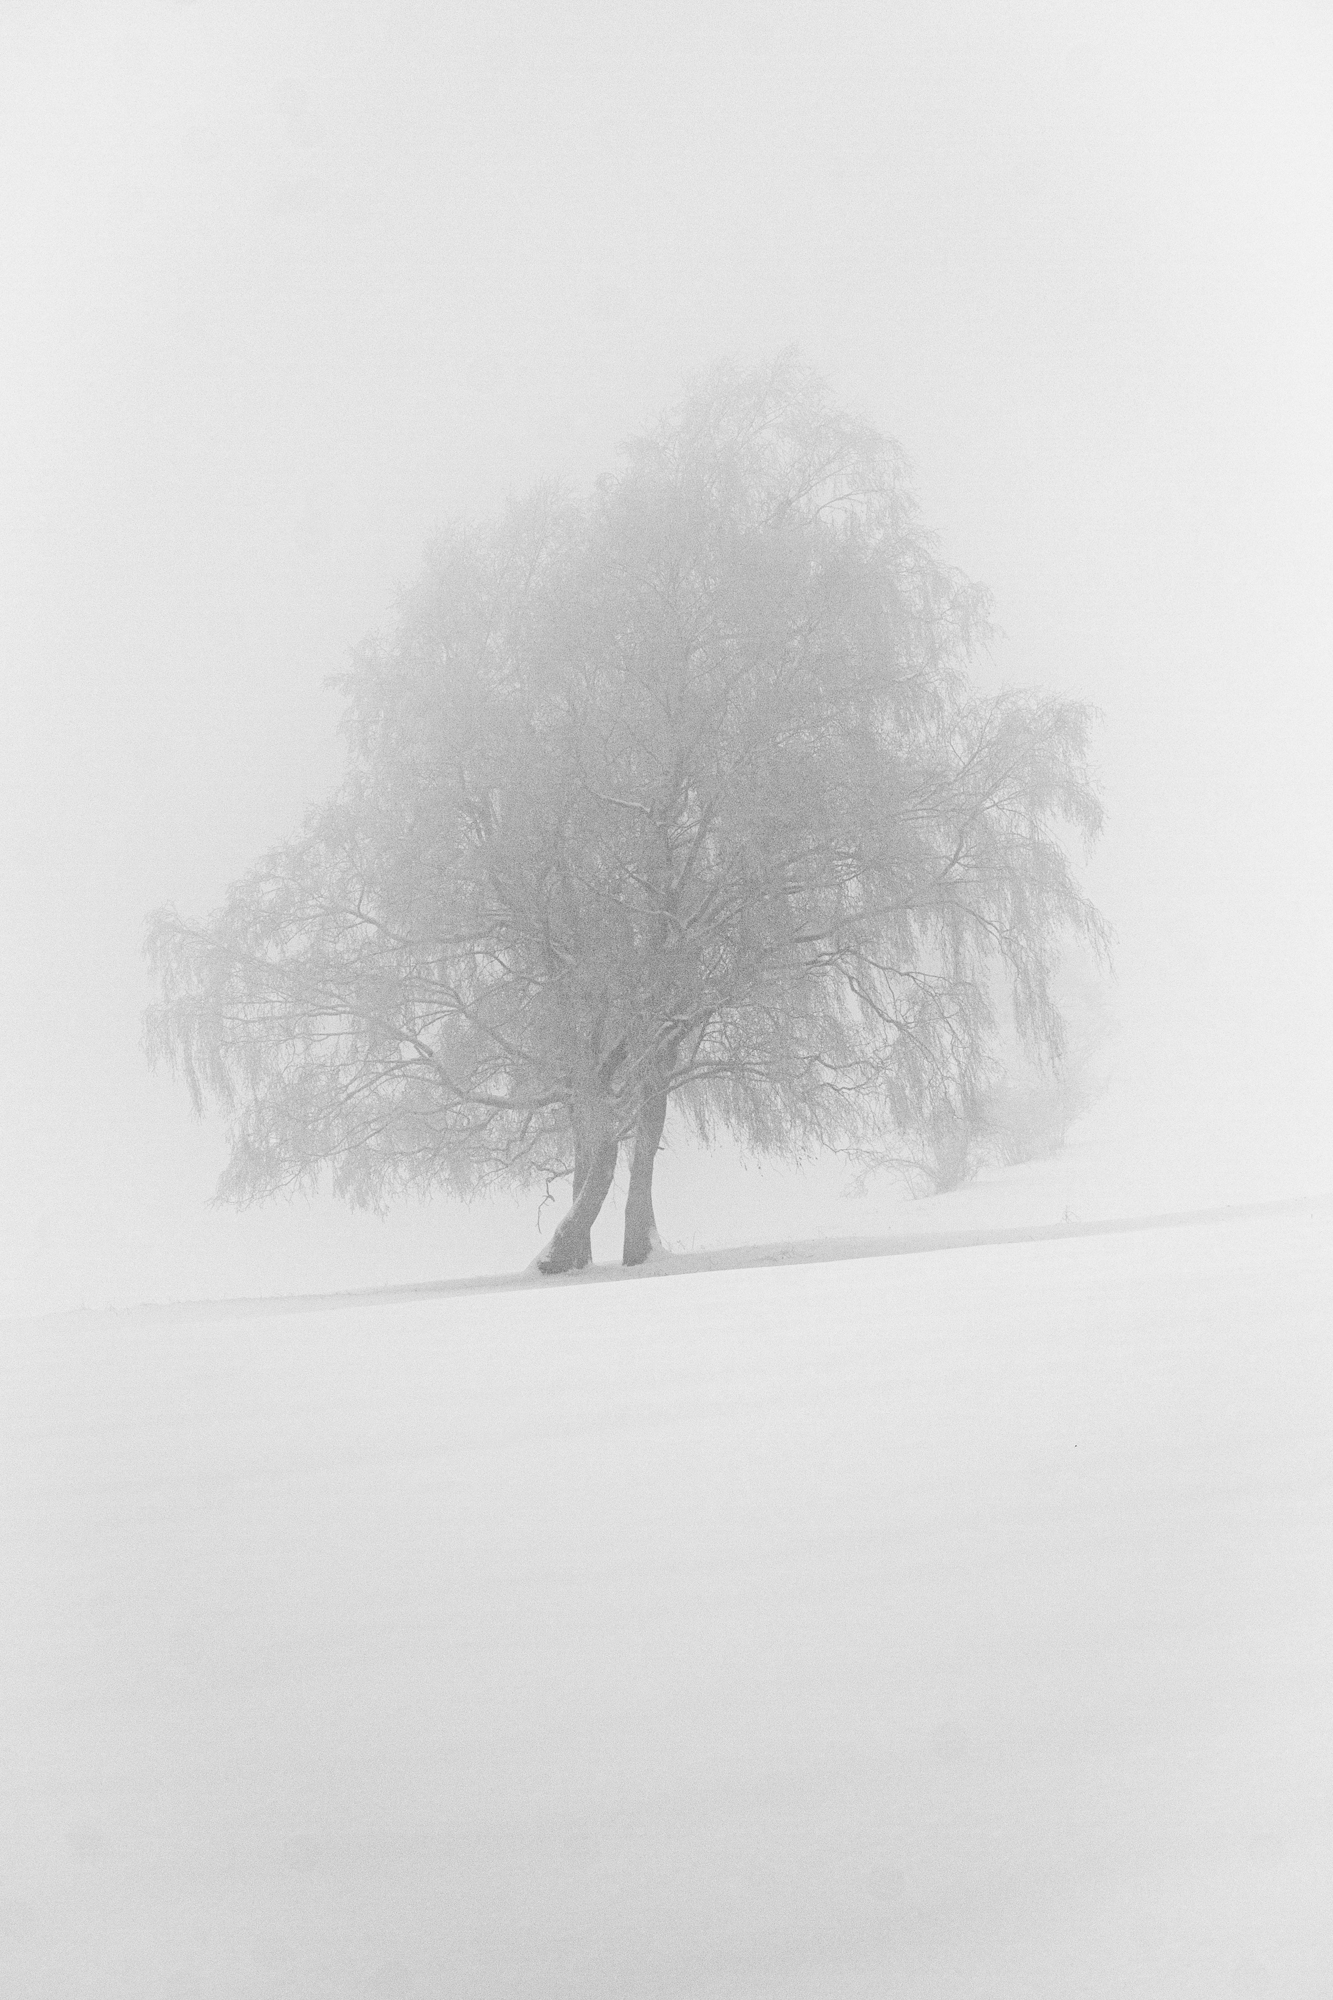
(641, 1237)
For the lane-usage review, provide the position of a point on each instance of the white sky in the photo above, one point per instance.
(286, 285)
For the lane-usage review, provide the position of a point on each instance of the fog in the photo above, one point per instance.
(287, 287)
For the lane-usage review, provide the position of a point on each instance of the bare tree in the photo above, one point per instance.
(673, 795)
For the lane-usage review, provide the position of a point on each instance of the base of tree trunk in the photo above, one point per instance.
(640, 1250)
(574, 1254)
(641, 1238)
(571, 1246)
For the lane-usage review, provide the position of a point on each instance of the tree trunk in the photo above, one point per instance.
(571, 1246)
(641, 1237)
(582, 1154)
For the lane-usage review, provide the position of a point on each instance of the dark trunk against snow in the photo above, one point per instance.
(640, 1223)
(571, 1246)
(582, 1153)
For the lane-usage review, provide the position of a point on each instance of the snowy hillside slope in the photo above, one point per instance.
(951, 1625)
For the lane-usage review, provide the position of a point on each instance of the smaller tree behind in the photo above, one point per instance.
(676, 795)
(1026, 1105)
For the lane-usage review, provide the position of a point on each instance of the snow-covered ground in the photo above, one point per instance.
(947, 1625)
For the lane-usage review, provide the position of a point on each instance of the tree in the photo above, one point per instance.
(673, 795)
(1021, 1108)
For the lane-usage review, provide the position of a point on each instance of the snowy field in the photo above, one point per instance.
(945, 1625)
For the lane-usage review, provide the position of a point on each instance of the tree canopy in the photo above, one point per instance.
(674, 795)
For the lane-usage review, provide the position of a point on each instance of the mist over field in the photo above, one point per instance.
(285, 294)
(908, 1581)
